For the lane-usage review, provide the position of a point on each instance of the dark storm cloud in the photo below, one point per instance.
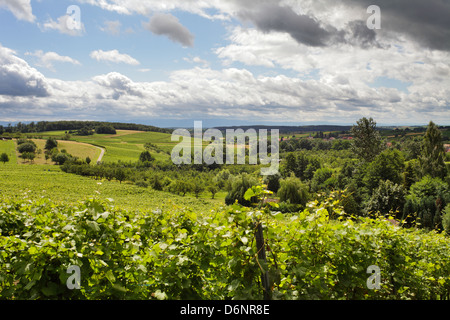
(169, 26)
(303, 28)
(425, 21)
(306, 29)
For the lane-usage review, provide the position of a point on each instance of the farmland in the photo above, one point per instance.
(153, 230)
(126, 145)
(48, 181)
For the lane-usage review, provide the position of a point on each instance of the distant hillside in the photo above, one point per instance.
(42, 126)
(292, 129)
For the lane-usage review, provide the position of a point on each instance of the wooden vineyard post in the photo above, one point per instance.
(262, 257)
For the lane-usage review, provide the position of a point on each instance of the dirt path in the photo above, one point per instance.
(102, 153)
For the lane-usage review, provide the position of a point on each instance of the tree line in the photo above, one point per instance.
(42, 126)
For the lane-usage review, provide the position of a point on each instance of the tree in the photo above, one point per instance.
(88, 160)
(85, 131)
(323, 178)
(291, 164)
(60, 158)
(197, 186)
(28, 156)
(240, 185)
(4, 158)
(26, 147)
(120, 174)
(411, 173)
(292, 190)
(366, 143)
(145, 156)
(388, 165)
(387, 198)
(212, 187)
(433, 153)
(50, 144)
(446, 219)
(222, 178)
(105, 129)
(426, 201)
(273, 182)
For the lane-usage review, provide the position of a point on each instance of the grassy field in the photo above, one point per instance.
(126, 145)
(77, 149)
(45, 181)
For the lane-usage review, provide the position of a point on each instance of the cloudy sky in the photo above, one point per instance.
(226, 62)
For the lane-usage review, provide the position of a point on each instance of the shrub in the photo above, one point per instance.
(50, 144)
(240, 185)
(60, 158)
(4, 158)
(446, 219)
(388, 198)
(425, 202)
(26, 147)
(145, 156)
(292, 190)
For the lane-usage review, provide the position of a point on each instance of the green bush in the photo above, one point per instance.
(239, 186)
(293, 191)
(446, 219)
(26, 147)
(426, 200)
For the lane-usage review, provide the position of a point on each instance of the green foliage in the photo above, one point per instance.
(323, 179)
(293, 191)
(426, 201)
(105, 129)
(178, 254)
(26, 147)
(240, 185)
(28, 156)
(433, 153)
(4, 157)
(446, 219)
(387, 199)
(388, 165)
(61, 158)
(273, 182)
(366, 143)
(146, 156)
(85, 131)
(51, 143)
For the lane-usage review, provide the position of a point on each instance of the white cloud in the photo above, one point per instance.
(120, 85)
(47, 59)
(65, 25)
(113, 56)
(20, 8)
(18, 79)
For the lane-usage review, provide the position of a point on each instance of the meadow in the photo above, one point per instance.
(36, 181)
(126, 145)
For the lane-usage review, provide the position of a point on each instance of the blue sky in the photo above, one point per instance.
(226, 62)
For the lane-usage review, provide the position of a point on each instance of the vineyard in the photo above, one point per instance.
(319, 253)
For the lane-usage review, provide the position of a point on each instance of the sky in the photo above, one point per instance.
(225, 62)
